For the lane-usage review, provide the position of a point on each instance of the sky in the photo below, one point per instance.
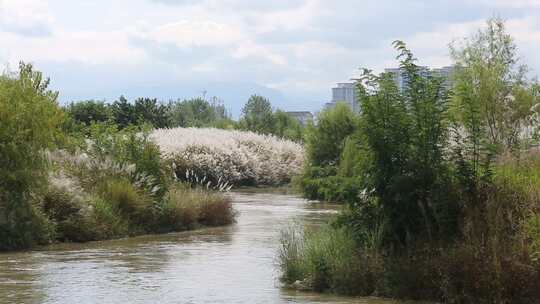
(291, 51)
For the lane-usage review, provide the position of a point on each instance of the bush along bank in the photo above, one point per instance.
(223, 158)
(60, 185)
(445, 205)
(120, 186)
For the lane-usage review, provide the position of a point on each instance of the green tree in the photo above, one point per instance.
(150, 111)
(490, 102)
(257, 115)
(30, 121)
(195, 112)
(406, 135)
(286, 126)
(199, 112)
(123, 112)
(89, 111)
(142, 111)
(325, 141)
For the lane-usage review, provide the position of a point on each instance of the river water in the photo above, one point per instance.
(234, 264)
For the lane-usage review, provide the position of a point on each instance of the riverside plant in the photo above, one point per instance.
(230, 157)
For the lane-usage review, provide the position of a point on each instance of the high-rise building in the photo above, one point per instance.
(447, 73)
(303, 117)
(345, 92)
(400, 78)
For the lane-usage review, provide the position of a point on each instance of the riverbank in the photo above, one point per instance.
(440, 184)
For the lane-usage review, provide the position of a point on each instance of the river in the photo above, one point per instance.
(233, 264)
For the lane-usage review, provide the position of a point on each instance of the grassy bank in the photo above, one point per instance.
(61, 182)
(117, 184)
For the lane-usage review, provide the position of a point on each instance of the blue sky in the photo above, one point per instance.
(292, 51)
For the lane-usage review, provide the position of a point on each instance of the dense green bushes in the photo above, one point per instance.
(30, 122)
(331, 157)
(331, 188)
(444, 201)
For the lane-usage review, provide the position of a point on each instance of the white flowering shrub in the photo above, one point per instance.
(231, 156)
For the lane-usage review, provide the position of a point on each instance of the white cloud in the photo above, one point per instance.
(432, 47)
(189, 33)
(86, 47)
(249, 49)
(25, 17)
(516, 3)
(288, 19)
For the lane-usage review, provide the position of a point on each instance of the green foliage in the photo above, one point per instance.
(336, 189)
(30, 121)
(286, 126)
(491, 101)
(198, 112)
(130, 146)
(150, 111)
(447, 200)
(88, 112)
(291, 254)
(257, 115)
(123, 112)
(142, 111)
(130, 202)
(354, 159)
(325, 141)
(105, 222)
(327, 260)
(406, 134)
(185, 207)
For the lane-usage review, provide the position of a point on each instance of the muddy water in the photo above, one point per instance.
(234, 264)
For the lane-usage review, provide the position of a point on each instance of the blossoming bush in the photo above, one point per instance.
(234, 157)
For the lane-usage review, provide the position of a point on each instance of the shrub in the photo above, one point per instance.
(291, 254)
(24, 225)
(326, 140)
(184, 208)
(60, 205)
(105, 221)
(127, 199)
(236, 157)
(216, 210)
(142, 111)
(30, 123)
(328, 259)
(331, 189)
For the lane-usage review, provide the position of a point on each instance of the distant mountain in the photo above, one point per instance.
(79, 82)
